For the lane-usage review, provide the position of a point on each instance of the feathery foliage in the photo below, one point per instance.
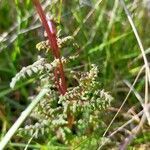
(76, 112)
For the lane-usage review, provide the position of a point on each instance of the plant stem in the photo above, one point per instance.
(51, 33)
(21, 119)
(58, 72)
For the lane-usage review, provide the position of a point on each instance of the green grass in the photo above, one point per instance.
(104, 40)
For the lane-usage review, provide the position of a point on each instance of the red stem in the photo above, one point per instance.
(51, 33)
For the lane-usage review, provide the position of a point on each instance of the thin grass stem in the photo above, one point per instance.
(21, 119)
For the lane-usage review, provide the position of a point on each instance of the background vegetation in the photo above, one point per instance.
(105, 38)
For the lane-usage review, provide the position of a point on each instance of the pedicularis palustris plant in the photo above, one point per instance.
(63, 111)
